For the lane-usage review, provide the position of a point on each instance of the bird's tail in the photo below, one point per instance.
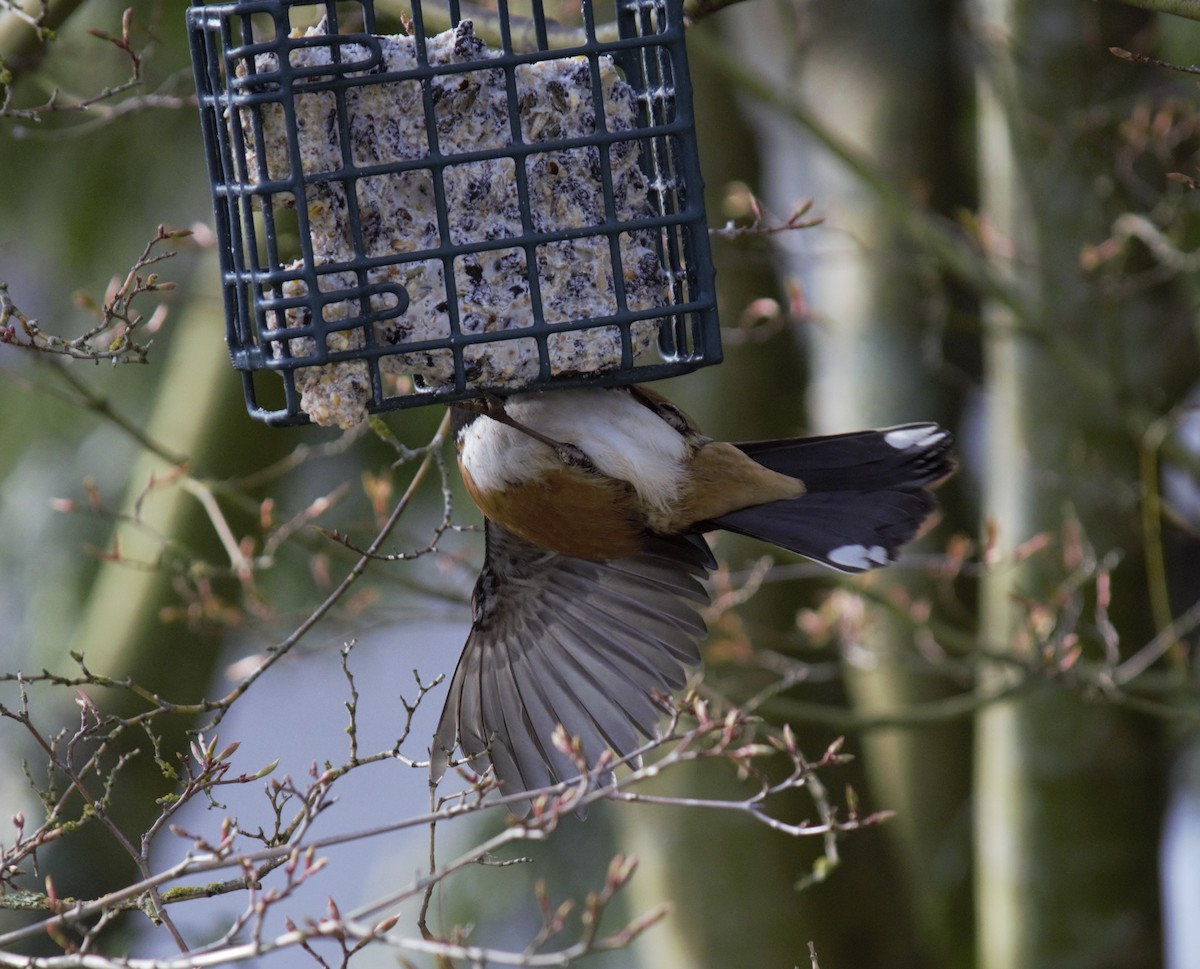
(866, 493)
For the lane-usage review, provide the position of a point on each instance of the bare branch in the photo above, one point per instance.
(111, 338)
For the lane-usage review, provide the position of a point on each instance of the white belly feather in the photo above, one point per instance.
(623, 438)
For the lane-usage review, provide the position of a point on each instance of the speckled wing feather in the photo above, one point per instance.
(561, 640)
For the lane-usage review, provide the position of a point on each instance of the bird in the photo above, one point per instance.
(595, 503)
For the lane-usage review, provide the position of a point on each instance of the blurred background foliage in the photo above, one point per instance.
(1007, 216)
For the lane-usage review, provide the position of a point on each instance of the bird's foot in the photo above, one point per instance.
(573, 457)
(570, 455)
(489, 405)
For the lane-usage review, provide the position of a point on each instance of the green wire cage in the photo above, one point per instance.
(427, 204)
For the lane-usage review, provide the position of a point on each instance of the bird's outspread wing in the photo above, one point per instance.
(561, 640)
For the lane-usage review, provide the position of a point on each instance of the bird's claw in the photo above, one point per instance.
(573, 457)
(493, 406)
(569, 454)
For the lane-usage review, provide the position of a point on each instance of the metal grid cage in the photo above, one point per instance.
(478, 201)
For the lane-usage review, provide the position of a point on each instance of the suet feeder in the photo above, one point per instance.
(426, 204)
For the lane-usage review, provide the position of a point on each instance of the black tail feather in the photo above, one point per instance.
(866, 494)
(910, 456)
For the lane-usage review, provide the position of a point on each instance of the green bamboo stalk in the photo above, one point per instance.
(1002, 812)
(1063, 839)
(1180, 8)
(22, 46)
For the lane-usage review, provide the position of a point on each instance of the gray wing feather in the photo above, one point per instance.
(583, 707)
(630, 652)
(559, 640)
(646, 619)
(595, 664)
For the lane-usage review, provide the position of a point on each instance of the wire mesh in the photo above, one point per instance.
(426, 203)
